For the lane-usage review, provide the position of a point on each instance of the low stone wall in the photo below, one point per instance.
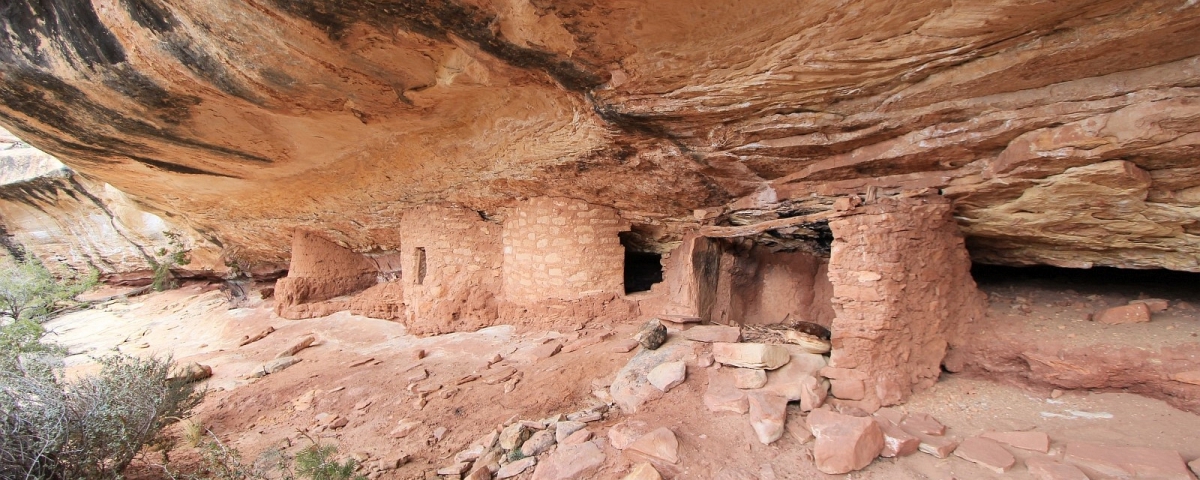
(902, 290)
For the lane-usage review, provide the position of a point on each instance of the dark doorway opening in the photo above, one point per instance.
(643, 266)
(642, 271)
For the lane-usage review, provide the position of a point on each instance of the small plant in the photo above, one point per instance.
(89, 428)
(29, 290)
(314, 462)
(317, 462)
(173, 255)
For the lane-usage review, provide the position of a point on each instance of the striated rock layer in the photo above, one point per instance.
(1065, 132)
(75, 224)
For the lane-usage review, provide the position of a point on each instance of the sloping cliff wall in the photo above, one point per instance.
(1066, 132)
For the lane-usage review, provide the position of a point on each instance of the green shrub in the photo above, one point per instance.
(173, 255)
(28, 290)
(90, 428)
(314, 462)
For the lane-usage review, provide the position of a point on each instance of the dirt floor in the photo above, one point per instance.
(370, 372)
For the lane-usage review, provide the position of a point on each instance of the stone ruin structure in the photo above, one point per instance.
(894, 288)
(453, 165)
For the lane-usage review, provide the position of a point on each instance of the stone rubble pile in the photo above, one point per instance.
(759, 380)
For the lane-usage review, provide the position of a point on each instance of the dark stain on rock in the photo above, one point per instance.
(438, 19)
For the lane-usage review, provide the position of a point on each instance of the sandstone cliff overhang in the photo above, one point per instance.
(1066, 133)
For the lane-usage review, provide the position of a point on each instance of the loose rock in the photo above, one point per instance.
(514, 436)
(751, 355)
(274, 366)
(749, 378)
(1154, 304)
(571, 462)
(659, 444)
(643, 471)
(1099, 461)
(562, 430)
(985, 453)
(668, 375)
(577, 438)
(768, 412)
(513, 469)
(623, 434)
(1132, 313)
(456, 469)
(652, 335)
(1043, 469)
(896, 442)
(301, 344)
(723, 396)
(1035, 441)
(538, 443)
(193, 372)
(844, 443)
(713, 333)
(922, 423)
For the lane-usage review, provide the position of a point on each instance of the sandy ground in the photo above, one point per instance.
(197, 323)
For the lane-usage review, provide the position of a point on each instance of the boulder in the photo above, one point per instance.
(1132, 313)
(844, 443)
(571, 462)
(751, 355)
(667, 375)
(652, 335)
(768, 413)
(632, 388)
(1154, 304)
(985, 453)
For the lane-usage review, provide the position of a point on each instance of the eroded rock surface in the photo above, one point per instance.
(1065, 132)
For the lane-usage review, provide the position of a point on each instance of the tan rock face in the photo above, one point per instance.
(1065, 132)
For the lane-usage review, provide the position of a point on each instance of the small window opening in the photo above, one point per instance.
(420, 263)
(643, 269)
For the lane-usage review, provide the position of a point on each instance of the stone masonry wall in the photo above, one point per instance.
(320, 270)
(461, 273)
(562, 249)
(902, 289)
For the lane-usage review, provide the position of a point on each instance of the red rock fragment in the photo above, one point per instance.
(1154, 304)
(985, 453)
(896, 442)
(1133, 313)
(922, 423)
(1035, 441)
(1043, 469)
(844, 443)
(1099, 461)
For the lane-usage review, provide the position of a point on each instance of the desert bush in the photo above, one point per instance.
(90, 428)
(173, 255)
(29, 290)
(316, 461)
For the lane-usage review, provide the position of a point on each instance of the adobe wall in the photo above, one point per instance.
(462, 269)
(562, 249)
(902, 289)
(320, 270)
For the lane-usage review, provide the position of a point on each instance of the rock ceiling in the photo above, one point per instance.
(1066, 132)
